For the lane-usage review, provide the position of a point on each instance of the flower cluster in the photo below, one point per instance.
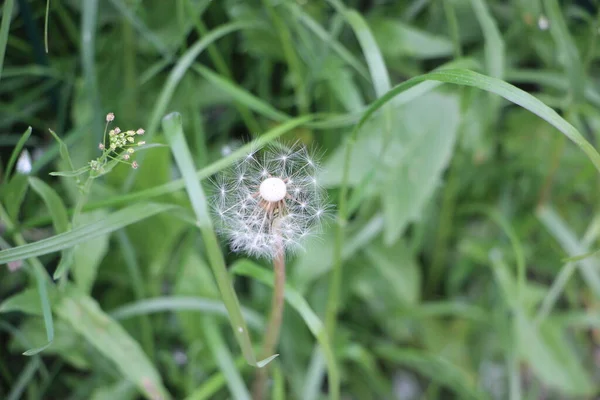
(270, 200)
(120, 145)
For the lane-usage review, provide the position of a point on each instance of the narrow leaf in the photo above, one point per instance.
(113, 222)
(174, 133)
(17, 152)
(84, 316)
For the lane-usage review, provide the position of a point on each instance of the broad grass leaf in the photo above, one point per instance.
(85, 317)
(123, 390)
(407, 167)
(397, 270)
(13, 193)
(60, 219)
(55, 205)
(397, 39)
(66, 344)
(436, 368)
(27, 301)
(552, 357)
(430, 125)
(193, 279)
(87, 256)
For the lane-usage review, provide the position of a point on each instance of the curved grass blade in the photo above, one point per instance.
(514, 242)
(511, 93)
(241, 95)
(208, 389)
(184, 63)
(24, 379)
(46, 25)
(7, 11)
(182, 303)
(336, 46)
(435, 367)
(143, 30)
(224, 360)
(113, 222)
(494, 45)
(314, 324)
(172, 127)
(16, 152)
(84, 315)
(370, 49)
(581, 256)
(41, 278)
(567, 48)
(54, 203)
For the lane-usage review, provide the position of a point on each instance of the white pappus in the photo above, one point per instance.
(270, 200)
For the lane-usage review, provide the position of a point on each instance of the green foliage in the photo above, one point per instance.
(461, 257)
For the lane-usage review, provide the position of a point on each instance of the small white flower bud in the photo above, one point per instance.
(110, 117)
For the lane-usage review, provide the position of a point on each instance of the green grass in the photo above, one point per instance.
(458, 143)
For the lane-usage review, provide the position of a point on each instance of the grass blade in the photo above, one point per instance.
(7, 11)
(113, 222)
(16, 152)
(181, 303)
(174, 132)
(46, 25)
(41, 278)
(208, 389)
(85, 317)
(435, 367)
(566, 46)
(241, 95)
(27, 374)
(54, 203)
(184, 63)
(326, 37)
(561, 232)
(64, 152)
(513, 94)
(494, 45)
(224, 359)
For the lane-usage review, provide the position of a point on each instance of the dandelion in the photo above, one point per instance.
(266, 205)
(269, 202)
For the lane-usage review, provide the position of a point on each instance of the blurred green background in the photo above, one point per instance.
(460, 263)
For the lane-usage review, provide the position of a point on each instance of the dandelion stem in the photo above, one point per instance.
(274, 327)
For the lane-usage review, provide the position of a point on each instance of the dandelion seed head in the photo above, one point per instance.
(270, 199)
